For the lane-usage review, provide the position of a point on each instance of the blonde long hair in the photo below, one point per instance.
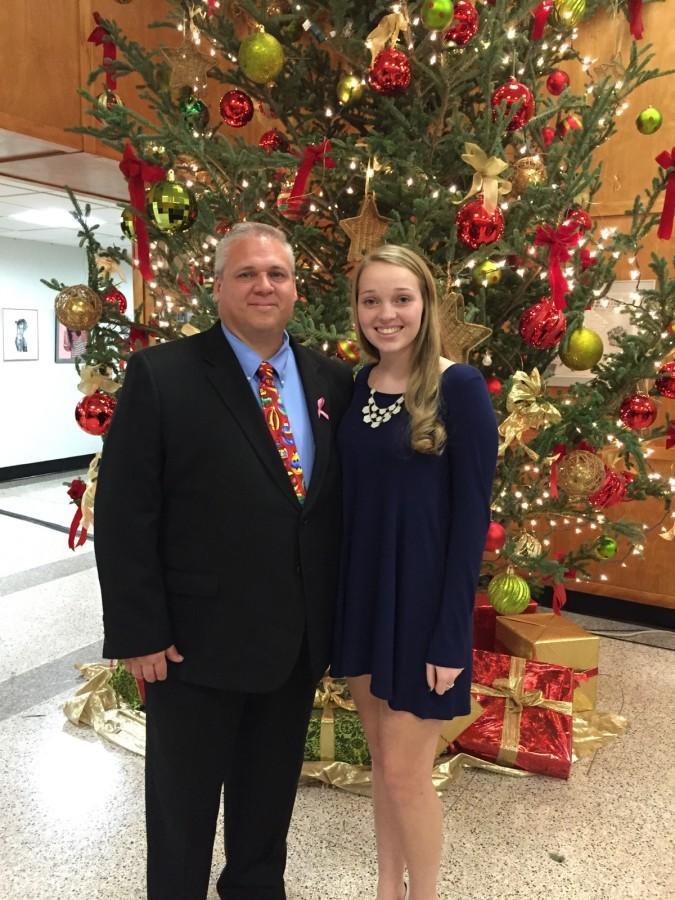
(422, 396)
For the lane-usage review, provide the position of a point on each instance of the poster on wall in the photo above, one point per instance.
(19, 334)
(70, 344)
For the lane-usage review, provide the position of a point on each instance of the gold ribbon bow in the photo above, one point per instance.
(329, 696)
(486, 178)
(110, 267)
(386, 33)
(527, 411)
(92, 380)
(517, 699)
(87, 501)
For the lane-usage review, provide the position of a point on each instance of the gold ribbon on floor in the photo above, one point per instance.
(512, 690)
(528, 410)
(328, 696)
(487, 176)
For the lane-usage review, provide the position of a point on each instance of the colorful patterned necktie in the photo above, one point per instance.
(280, 428)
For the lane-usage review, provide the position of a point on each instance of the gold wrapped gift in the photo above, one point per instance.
(549, 638)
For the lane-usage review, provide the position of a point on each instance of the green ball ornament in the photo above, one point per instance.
(437, 14)
(195, 113)
(584, 350)
(261, 57)
(170, 206)
(649, 121)
(349, 89)
(569, 12)
(606, 547)
(127, 223)
(487, 273)
(509, 593)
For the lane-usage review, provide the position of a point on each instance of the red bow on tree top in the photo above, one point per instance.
(666, 160)
(311, 155)
(559, 242)
(101, 35)
(137, 173)
(637, 28)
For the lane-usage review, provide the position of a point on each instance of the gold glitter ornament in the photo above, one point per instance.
(529, 171)
(583, 351)
(349, 89)
(261, 57)
(78, 307)
(527, 546)
(581, 473)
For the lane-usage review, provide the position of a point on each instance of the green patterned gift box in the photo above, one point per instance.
(335, 732)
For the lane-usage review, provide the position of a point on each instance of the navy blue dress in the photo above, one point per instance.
(414, 532)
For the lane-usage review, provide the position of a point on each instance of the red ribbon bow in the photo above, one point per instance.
(559, 598)
(559, 452)
(559, 242)
(75, 491)
(101, 35)
(137, 173)
(540, 15)
(311, 155)
(666, 160)
(670, 436)
(637, 27)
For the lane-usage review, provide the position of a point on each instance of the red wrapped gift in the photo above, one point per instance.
(485, 622)
(527, 714)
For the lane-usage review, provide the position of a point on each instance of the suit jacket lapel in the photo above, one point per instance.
(315, 388)
(227, 377)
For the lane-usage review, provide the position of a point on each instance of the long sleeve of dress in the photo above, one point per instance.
(472, 454)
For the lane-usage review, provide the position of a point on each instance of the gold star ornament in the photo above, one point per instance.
(366, 230)
(459, 338)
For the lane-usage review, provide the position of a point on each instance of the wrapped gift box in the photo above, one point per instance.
(485, 620)
(527, 714)
(549, 638)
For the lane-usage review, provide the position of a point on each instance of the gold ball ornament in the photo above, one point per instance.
(349, 89)
(569, 12)
(108, 100)
(261, 57)
(527, 546)
(509, 593)
(530, 171)
(580, 473)
(584, 350)
(127, 223)
(78, 307)
(487, 273)
(170, 206)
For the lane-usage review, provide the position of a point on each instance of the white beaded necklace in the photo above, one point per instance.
(374, 415)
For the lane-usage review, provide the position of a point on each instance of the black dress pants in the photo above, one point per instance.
(200, 740)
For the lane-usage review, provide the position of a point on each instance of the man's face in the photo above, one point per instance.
(255, 292)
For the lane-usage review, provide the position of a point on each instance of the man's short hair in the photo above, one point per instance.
(249, 229)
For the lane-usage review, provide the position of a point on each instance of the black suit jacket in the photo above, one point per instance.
(200, 541)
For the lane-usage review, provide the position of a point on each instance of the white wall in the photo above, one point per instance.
(38, 399)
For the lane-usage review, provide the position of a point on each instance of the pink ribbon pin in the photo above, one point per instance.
(320, 403)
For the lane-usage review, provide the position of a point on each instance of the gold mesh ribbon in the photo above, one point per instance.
(329, 696)
(110, 267)
(87, 501)
(528, 410)
(386, 33)
(486, 177)
(517, 698)
(92, 380)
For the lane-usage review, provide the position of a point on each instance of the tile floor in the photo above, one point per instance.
(72, 809)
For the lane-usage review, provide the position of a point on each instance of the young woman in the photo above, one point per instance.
(418, 448)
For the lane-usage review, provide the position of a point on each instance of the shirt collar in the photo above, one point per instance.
(249, 360)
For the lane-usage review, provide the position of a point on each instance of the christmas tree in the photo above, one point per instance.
(450, 128)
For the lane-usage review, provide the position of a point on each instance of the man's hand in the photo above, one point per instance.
(153, 666)
(441, 679)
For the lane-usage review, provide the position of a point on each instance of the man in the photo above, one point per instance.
(217, 533)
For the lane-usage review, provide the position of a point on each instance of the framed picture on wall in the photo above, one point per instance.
(19, 334)
(70, 344)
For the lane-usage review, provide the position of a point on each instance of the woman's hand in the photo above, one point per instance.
(441, 679)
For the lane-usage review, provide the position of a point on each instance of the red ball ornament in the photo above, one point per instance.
(665, 380)
(112, 295)
(292, 208)
(548, 136)
(495, 538)
(236, 108)
(464, 25)
(557, 82)
(274, 141)
(476, 226)
(519, 101)
(572, 122)
(390, 74)
(542, 325)
(493, 383)
(612, 490)
(581, 217)
(638, 411)
(93, 413)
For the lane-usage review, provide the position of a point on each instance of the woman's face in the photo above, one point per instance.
(389, 307)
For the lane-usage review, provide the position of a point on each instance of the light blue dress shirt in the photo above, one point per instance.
(289, 384)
